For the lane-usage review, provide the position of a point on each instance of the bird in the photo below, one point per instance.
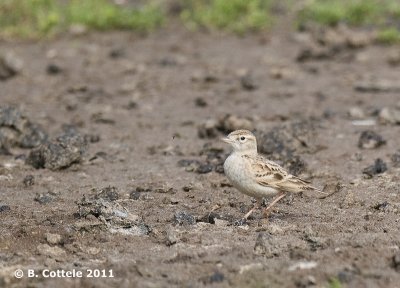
(254, 175)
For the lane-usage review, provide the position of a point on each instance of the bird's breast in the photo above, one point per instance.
(238, 171)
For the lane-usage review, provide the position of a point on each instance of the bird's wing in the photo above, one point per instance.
(270, 174)
(267, 173)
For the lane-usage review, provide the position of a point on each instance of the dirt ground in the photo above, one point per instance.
(148, 199)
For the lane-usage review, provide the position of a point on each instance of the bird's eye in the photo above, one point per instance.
(242, 138)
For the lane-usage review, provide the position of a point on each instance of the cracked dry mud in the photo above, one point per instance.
(158, 223)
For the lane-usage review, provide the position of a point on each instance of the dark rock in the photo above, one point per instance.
(210, 217)
(132, 105)
(187, 188)
(143, 189)
(314, 52)
(111, 214)
(134, 195)
(29, 180)
(53, 69)
(210, 78)
(167, 61)
(370, 140)
(377, 168)
(381, 206)
(17, 130)
(284, 144)
(43, 198)
(109, 193)
(116, 53)
(217, 277)
(187, 162)
(200, 102)
(4, 208)
(248, 83)
(204, 168)
(184, 218)
(345, 276)
(92, 138)
(59, 153)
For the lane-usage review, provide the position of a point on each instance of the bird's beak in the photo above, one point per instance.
(227, 140)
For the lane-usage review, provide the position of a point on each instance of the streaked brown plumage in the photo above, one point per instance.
(257, 176)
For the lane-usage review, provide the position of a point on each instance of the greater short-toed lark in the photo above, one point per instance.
(256, 176)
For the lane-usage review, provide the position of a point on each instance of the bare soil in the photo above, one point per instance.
(169, 221)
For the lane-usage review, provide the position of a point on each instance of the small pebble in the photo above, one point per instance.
(184, 218)
(4, 208)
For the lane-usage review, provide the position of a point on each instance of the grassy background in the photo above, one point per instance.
(384, 15)
(38, 18)
(44, 18)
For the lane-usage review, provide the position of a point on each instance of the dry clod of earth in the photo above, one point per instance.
(53, 69)
(212, 128)
(377, 168)
(389, 115)
(53, 239)
(248, 82)
(396, 159)
(44, 198)
(17, 130)
(330, 42)
(29, 180)
(394, 57)
(370, 140)
(184, 218)
(51, 251)
(396, 261)
(10, 65)
(285, 143)
(111, 216)
(4, 208)
(58, 153)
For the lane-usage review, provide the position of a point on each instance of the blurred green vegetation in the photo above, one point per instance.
(353, 12)
(38, 18)
(335, 283)
(383, 14)
(44, 18)
(389, 35)
(233, 15)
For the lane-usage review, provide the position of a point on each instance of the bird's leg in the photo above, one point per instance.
(256, 205)
(274, 201)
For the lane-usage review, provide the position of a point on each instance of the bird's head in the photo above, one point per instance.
(242, 141)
